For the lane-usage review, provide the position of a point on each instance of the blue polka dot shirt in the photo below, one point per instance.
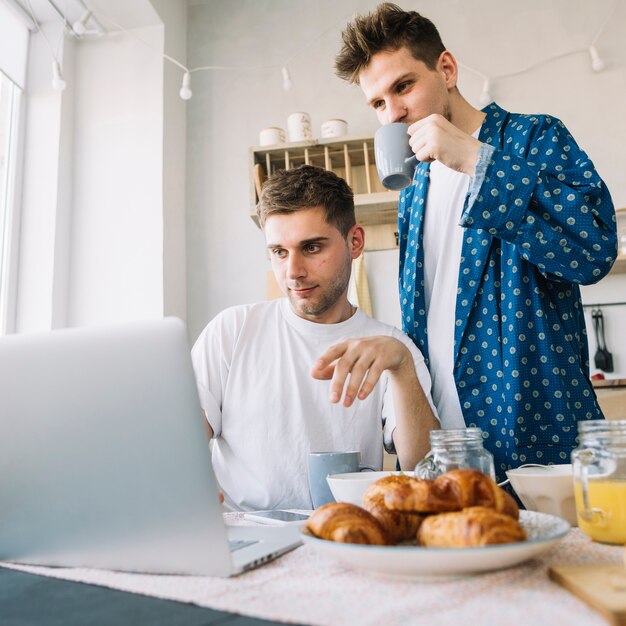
(538, 224)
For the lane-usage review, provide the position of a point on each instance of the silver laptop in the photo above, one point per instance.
(104, 457)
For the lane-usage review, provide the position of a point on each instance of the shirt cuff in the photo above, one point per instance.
(211, 408)
(482, 163)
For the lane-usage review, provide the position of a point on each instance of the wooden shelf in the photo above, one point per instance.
(380, 207)
(352, 158)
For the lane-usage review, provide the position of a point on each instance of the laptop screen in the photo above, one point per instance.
(102, 435)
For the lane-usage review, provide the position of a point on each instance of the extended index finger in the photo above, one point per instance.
(322, 368)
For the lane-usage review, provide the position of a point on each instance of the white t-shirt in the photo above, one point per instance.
(443, 241)
(252, 365)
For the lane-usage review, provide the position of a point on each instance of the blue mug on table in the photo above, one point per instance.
(323, 464)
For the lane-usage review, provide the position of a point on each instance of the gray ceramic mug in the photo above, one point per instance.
(323, 464)
(395, 161)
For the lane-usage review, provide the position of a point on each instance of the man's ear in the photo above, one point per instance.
(356, 241)
(448, 66)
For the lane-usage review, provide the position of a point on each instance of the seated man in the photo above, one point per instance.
(309, 372)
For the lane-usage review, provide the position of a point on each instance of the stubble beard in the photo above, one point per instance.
(446, 113)
(327, 299)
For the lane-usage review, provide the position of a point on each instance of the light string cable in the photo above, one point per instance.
(58, 82)
(597, 64)
(185, 90)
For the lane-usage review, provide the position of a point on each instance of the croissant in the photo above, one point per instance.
(347, 523)
(399, 525)
(455, 490)
(475, 526)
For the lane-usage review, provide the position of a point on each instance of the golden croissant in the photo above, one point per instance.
(347, 523)
(454, 491)
(398, 525)
(474, 526)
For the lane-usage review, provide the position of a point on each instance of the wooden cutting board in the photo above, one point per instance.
(603, 587)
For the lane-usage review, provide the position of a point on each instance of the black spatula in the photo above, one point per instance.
(603, 359)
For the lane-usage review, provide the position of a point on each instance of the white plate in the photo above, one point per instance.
(543, 531)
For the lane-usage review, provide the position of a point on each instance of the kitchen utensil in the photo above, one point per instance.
(603, 359)
(259, 179)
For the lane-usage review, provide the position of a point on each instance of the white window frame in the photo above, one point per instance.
(15, 28)
(10, 228)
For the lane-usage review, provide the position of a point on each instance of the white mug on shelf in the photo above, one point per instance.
(271, 136)
(334, 128)
(299, 126)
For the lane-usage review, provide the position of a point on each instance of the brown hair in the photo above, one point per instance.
(306, 187)
(388, 28)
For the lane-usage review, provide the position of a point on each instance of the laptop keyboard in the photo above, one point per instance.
(238, 544)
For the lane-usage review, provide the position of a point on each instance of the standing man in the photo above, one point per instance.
(506, 216)
(256, 364)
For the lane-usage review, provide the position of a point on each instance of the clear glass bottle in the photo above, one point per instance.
(599, 468)
(454, 448)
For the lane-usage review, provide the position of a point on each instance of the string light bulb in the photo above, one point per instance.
(80, 26)
(58, 82)
(485, 96)
(597, 64)
(185, 91)
(286, 78)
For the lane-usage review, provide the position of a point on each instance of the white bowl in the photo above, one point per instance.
(349, 487)
(548, 489)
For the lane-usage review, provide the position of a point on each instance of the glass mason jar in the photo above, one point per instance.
(599, 468)
(455, 448)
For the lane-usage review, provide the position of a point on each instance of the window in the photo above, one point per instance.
(10, 96)
(14, 33)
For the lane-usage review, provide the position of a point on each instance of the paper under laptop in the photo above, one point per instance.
(104, 457)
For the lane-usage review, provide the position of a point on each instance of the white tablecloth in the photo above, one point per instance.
(307, 588)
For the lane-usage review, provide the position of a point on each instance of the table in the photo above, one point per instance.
(304, 587)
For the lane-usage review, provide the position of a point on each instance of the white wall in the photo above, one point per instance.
(226, 257)
(117, 253)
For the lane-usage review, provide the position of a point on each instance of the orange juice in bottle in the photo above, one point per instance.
(608, 496)
(599, 467)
